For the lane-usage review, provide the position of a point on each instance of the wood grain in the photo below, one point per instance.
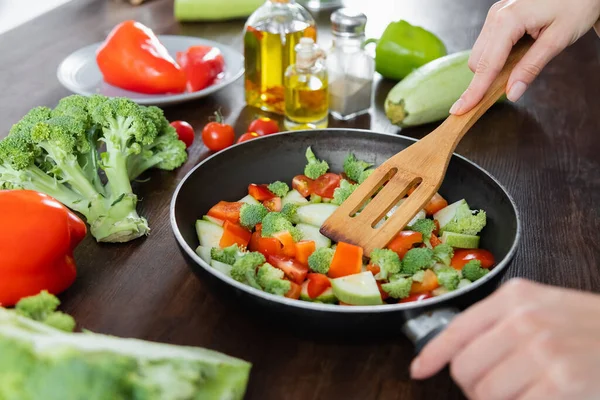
(544, 149)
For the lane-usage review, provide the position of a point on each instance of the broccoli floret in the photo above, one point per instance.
(388, 262)
(398, 287)
(315, 198)
(252, 214)
(341, 193)
(226, 255)
(279, 188)
(315, 168)
(290, 211)
(271, 280)
(276, 222)
(320, 260)
(244, 268)
(448, 277)
(466, 221)
(355, 168)
(365, 175)
(473, 271)
(443, 253)
(417, 259)
(42, 308)
(424, 226)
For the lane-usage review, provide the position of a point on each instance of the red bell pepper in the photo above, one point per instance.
(133, 58)
(37, 238)
(226, 211)
(203, 66)
(347, 260)
(234, 234)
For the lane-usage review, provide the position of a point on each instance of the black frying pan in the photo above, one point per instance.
(226, 175)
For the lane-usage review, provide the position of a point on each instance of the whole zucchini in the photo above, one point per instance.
(214, 10)
(428, 92)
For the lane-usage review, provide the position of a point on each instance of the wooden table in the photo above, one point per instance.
(545, 150)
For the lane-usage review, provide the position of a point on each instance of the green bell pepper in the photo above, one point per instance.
(403, 48)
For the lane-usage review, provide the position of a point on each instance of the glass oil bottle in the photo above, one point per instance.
(270, 36)
(306, 89)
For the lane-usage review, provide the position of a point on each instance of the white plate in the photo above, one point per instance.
(79, 72)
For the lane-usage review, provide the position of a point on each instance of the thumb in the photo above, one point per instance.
(547, 46)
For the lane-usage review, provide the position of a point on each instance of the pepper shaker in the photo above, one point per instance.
(350, 68)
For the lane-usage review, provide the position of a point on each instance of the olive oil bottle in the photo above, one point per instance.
(270, 37)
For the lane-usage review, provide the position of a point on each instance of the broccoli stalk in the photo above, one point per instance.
(315, 168)
(290, 212)
(388, 262)
(271, 280)
(320, 260)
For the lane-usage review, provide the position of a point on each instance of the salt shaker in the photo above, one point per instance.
(350, 68)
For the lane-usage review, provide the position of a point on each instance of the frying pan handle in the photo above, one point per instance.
(423, 328)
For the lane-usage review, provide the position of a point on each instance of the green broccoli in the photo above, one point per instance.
(56, 152)
(417, 259)
(320, 260)
(448, 277)
(466, 221)
(271, 280)
(227, 255)
(290, 211)
(42, 308)
(315, 198)
(314, 168)
(355, 169)
(279, 188)
(473, 271)
(443, 253)
(252, 214)
(341, 193)
(275, 222)
(365, 175)
(244, 268)
(388, 262)
(398, 287)
(424, 226)
(419, 276)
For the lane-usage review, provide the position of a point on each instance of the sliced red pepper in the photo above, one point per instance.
(317, 284)
(203, 66)
(347, 260)
(260, 192)
(287, 241)
(374, 269)
(384, 294)
(295, 271)
(463, 256)
(304, 249)
(303, 185)
(404, 241)
(294, 292)
(226, 211)
(273, 204)
(434, 240)
(234, 234)
(265, 246)
(436, 203)
(416, 297)
(436, 231)
(429, 283)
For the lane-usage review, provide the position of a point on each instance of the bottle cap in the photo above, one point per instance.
(307, 52)
(348, 22)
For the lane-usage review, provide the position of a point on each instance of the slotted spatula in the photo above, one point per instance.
(423, 163)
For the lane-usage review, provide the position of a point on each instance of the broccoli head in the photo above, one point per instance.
(398, 287)
(466, 221)
(417, 259)
(443, 253)
(320, 260)
(424, 226)
(252, 214)
(448, 277)
(272, 280)
(42, 308)
(279, 188)
(473, 270)
(244, 268)
(276, 222)
(227, 255)
(290, 211)
(314, 168)
(388, 262)
(355, 168)
(341, 193)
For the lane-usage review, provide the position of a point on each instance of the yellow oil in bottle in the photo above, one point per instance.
(307, 102)
(267, 56)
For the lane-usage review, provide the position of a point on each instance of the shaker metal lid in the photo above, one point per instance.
(348, 22)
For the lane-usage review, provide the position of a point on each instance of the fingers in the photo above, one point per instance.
(483, 38)
(549, 44)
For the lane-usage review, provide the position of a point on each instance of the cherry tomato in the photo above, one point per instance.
(404, 241)
(295, 271)
(325, 185)
(264, 126)
(317, 284)
(248, 136)
(303, 184)
(260, 192)
(184, 131)
(463, 256)
(416, 297)
(218, 136)
(273, 204)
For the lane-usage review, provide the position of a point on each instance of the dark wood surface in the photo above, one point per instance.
(545, 150)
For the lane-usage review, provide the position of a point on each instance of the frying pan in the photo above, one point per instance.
(226, 175)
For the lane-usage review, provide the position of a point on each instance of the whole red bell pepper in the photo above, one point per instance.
(37, 238)
(203, 66)
(133, 58)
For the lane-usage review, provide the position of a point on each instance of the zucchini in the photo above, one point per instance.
(221, 267)
(358, 289)
(214, 220)
(249, 200)
(214, 10)
(460, 240)
(448, 213)
(316, 214)
(209, 234)
(310, 232)
(326, 297)
(204, 253)
(428, 92)
(293, 197)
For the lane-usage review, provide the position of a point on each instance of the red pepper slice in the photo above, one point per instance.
(317, 284)
(203, 66)
(226, 211)
(234, 234)
(260, 192)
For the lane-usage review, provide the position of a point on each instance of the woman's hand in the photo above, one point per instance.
(555, 24)
(526, 341)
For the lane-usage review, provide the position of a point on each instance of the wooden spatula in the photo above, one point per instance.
(423, 163)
